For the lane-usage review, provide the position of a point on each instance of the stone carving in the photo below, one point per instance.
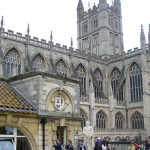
(88, 132)
(59, 102)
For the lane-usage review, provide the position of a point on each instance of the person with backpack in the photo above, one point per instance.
(98, 144)
(57, 145)
(69, 146)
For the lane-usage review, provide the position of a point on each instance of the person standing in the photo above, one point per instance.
(147, 144)
(81, 145)
(131, 147)
(98, 144)
(57, 145)
(69, 146)
(106, 143)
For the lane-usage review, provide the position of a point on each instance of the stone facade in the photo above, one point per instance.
(116, 103)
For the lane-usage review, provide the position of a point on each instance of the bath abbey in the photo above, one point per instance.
(48, 91)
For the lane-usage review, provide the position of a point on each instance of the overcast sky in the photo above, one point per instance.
(60, 17)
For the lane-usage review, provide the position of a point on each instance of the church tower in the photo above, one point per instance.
(100, 29)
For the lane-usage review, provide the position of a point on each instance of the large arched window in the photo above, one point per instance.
(115, 75)
(13, 63)
(82, 77)
(136, 84)
(100, 120)
(137, 121)
(99, 79)
(119, 121)
(38, 62)
(13, 139)
(61, 67)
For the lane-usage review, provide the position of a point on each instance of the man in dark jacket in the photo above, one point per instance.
(147, 144)
(98, 144)
(57, 145)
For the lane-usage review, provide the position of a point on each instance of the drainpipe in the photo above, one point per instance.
(43, 122)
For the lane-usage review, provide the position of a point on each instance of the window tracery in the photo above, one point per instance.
(114, 82)
(13, 63)
(82, 78)
(136, 84)
(61, 67)
(83, 122)
(137, 121)
(38, 62)
(119, 121)
(100, 120)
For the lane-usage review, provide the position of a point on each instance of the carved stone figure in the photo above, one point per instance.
(88, 134)
(88, 130)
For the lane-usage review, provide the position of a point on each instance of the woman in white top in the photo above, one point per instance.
(104, 147)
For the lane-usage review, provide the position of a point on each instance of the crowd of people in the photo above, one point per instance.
(136, 145)
(101, 144)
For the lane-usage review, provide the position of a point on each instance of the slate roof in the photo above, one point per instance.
(12, 101)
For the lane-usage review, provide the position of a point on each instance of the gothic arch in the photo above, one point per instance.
(61, 58)
(65, 91)
(137, 120)
(66, 64)
(45, 61)
(110, 73)
(104, 111)
(136, 82)
(17, 49)
(118, 138)
(101, 120)
(85, 112)
(16, 65)
(119, 120)
(123, 114)
(128, 138)
(84, 117)
(100, 70)
(136, 111)
(111, 70)
(131, 63)
(85, 69)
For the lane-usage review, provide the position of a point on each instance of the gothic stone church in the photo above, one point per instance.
(49, 91)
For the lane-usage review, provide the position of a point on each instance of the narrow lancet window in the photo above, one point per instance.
(99, 79)
(115, 75)
(82, 78)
